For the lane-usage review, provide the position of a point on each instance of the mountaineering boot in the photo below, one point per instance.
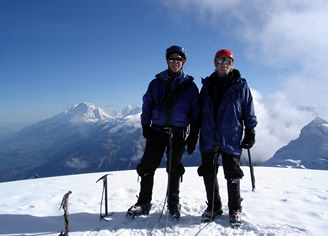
(138, 210)
(235, 219)
(174, 212)
(143, 205)
(214, 205)
(209, 214)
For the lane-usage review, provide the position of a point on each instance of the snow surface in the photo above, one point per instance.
(286, 202)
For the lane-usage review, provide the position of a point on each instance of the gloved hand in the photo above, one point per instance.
(249, 138)
(191, 144)
(192, 139)
(146, 131)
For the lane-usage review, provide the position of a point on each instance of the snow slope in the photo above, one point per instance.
(286, 202)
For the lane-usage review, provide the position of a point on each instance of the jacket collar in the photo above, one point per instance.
(164, 75)
(233, 75)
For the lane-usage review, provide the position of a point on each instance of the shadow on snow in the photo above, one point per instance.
(84, 222)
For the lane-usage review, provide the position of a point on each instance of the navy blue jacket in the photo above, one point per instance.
(168, 103)
(235, 110)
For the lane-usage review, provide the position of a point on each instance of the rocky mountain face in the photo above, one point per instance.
(309, 150)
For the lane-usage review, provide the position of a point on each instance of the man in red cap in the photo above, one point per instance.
(226, 109)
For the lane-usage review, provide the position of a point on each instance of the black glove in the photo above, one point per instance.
(146, 131)
(192, 139)
(249, 138)
(191, 144)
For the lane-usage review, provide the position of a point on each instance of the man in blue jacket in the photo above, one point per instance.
(226, 109)
(170, 105)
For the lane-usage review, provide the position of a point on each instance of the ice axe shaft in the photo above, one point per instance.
(251, 169)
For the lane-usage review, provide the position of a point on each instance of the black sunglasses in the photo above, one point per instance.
(172, 59)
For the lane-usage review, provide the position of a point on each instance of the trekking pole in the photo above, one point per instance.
(169, 157)
(105, 191)
(251, 170)
(170, 132)
(215, 163)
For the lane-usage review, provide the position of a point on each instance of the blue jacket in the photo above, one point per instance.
(168, 103)
(234, 111)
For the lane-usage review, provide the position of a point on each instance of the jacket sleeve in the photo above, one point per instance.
(249, 117)
(195, 105)
(147, 107)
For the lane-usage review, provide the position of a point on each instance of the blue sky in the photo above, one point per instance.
(54, 54)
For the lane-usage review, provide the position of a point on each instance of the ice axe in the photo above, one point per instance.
(105, 190)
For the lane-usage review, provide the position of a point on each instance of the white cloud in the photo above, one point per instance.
(290, 34)
(290, 31)
(279, 122)
(76, 163)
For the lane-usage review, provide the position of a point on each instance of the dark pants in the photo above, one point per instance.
(154, 151)
(232, 173)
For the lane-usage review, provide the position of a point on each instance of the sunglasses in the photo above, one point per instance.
(172, 59)
(224, 59)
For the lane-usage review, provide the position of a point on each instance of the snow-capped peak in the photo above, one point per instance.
(317, 127)
(309, 150)
(87, 112)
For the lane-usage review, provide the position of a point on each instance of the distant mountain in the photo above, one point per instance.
(309, 150)
(81, 139)
(129, 110)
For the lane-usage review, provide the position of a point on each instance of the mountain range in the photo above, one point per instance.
(86, 139)
(81, 139)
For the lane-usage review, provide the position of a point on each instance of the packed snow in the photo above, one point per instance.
(285, 202)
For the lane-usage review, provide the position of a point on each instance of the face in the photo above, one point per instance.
(175, 62)
(224, 65)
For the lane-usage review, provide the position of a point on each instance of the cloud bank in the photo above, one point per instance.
(279, 122)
